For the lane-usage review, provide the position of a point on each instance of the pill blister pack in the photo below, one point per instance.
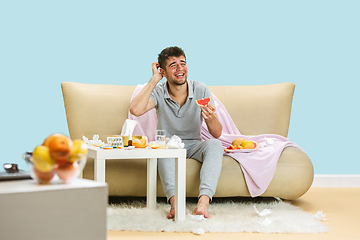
(115, 141)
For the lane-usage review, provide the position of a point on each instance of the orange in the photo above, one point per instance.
(139, 143)
(51, 137)
(60, 147)
(136, 143)
(144, 142)
(154, 145)
(237, 143)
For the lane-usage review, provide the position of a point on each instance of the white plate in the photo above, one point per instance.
(240, 150)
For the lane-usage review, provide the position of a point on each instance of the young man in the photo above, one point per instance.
(178, 114)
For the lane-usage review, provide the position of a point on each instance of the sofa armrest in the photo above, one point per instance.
(95, 108)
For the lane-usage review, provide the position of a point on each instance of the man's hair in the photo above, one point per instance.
(169, 52)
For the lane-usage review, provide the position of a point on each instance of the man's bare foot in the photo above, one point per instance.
(202, 206)
(172, 208)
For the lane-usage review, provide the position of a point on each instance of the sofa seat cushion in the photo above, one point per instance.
(127, 177)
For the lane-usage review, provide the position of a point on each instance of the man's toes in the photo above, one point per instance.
(171, 214)
(198, 211)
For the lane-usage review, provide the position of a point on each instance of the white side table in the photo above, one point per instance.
(100, 155)
(54, 211)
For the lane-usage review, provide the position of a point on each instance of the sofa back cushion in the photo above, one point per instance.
(95, 108)
(258, 109)
(102, 109)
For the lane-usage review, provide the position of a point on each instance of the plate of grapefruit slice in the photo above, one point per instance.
(248, 148)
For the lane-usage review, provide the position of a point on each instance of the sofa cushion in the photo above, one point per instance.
(293, 177)
(258, 109)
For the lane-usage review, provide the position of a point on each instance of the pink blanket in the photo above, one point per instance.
(146, 123)
(258, 165)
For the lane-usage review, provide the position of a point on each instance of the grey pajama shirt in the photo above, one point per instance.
(185, 121)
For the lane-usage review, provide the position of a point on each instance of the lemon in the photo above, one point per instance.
(78, 150)
(42, 159)
(247, 144)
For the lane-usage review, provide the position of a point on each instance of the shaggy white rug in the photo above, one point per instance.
(263, 216)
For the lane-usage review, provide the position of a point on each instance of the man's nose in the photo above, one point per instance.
(178, 66)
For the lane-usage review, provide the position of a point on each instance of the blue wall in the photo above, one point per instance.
(314, 44)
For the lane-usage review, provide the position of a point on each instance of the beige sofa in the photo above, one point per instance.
(102, 109)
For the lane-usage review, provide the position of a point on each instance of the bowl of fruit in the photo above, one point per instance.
(58, 157)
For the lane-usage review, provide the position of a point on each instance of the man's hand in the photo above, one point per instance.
(211, 120)
(156, 74)
(142, 103)
(208, 112)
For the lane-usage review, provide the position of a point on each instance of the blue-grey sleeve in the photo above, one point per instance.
(155, 95)
(207, 93)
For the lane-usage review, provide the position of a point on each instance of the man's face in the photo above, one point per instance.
(175, 70)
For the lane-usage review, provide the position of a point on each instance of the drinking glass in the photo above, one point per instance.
(160, 137)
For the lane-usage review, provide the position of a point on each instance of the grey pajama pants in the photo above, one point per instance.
(209, 153)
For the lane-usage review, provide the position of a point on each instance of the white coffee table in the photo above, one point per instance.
(100, 155)
(56, 211)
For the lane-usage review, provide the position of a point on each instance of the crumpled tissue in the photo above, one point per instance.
(320, 216)
(279, 199)
(269, 142)
(175, 142)
(96, 141)
(199, 231)
(263, 212)
(196, 217)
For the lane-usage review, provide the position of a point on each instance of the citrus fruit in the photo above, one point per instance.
(154, 145)
(237, 142)
(249, 144)
(67, 170)
(203, 102)
(43, 177)
(230, 148)
(51, 137)
(78, 150)
(60, 147)
(136, 143)
(42, 159)
(139, 143)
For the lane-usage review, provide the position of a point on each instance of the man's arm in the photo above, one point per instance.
(142, 103)
(211, 120)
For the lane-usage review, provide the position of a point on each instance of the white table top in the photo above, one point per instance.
(31, 185)
(135, 153)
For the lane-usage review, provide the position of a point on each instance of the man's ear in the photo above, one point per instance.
(162, 71)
